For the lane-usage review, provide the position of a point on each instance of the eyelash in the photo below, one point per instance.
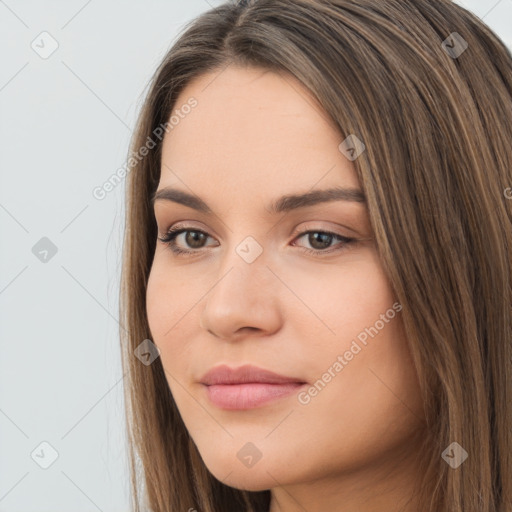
(170, 241)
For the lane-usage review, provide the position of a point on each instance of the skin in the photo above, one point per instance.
(255, 136)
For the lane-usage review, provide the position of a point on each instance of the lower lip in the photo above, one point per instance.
(248, 396)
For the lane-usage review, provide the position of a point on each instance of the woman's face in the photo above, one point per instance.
(250, 293)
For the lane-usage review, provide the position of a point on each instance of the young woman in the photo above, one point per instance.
(317, 275)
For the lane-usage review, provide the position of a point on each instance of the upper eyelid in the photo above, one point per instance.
(296, 232)
(170, 236)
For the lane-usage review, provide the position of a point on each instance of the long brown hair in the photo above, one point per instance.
(427, 86)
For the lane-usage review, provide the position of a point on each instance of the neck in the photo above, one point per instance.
(387, 485)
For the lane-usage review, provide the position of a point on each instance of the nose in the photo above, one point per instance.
(244, 298)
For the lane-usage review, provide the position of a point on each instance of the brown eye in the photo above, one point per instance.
(195, 238)
(320, 242)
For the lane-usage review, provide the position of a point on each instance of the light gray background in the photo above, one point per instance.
(65, 125)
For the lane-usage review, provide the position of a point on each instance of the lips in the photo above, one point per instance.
(247, 387)
(223, 374)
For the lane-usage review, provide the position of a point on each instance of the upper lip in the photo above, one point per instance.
(223, 374)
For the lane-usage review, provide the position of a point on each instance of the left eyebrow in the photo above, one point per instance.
(283, 204)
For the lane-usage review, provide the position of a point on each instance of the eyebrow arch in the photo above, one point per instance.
(283, 204)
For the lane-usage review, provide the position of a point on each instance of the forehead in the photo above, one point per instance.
(253, 130)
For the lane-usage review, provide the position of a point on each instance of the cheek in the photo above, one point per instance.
(353, 418)
(169, 296)
(337, 304)
(157, 302)
(168, 304)
(371, 397)
(323, 307)
(359, 306)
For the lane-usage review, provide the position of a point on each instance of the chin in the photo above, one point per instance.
(234, 473)
(248, 480)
